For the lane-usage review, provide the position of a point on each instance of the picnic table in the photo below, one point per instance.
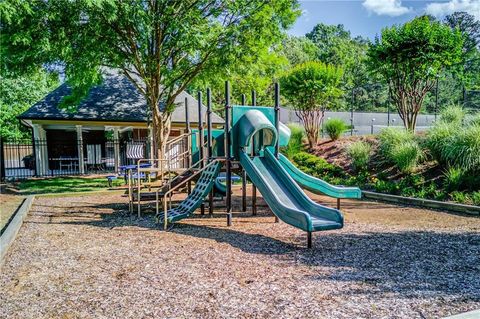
(125, 169)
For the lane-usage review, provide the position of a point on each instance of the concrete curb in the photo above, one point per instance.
(13, 227)
(426, 203)
(475, 314)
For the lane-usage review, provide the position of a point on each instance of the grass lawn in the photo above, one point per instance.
(65, 184)
(8, 206)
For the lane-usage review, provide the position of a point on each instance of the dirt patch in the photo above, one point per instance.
(8, 206)
(335, 152)
(85, 257)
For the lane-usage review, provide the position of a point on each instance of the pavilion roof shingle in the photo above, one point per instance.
(115, 100)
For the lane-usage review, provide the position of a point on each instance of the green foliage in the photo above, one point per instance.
(17, 94)
(295, 145)
(406, 156)
(161, 46)
(455, 146)
(317, 166)
(453, 115)
(399, 147)
(438, 140)
(454, 177)
(250, 73)
(390, 137)
(410, 57)
(335, 128)
(359, 152)
(476, 198)
(299, 50)
(312, 87)
(65, 185)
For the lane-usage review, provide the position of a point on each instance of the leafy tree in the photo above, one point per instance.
(468, 70)
(252, 73)
(410, 57)
(299, 50)
(160, 45)
(17, 94)
(311, 88)
(470, 28)
(337, 47)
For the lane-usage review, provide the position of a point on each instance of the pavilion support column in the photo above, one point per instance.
(116, 149)
(44, 153)
(81, 160)
(38, 150)
(150, 139)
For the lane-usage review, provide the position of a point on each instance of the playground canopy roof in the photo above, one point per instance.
(115, 100)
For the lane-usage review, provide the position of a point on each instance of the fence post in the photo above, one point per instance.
(2, 161)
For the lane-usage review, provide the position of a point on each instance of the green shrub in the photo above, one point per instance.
(438, 139)
(316, 166)
(476, 198)
(406, 155)
(455, 146)
(453, 114)
(464, 148)
(460, 197)
(335, 128)
(295, 145)
(390, 137)
(474, 120)
(453, 178)
(359, 152)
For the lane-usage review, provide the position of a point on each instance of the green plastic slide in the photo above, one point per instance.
(316, 185)
(285, 198)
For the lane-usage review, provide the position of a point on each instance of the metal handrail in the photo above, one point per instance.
(170, 190)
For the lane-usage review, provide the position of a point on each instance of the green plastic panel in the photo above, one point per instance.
(284, 135)
(253, 125)
(202, 187)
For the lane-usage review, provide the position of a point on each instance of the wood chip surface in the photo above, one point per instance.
(86, 257)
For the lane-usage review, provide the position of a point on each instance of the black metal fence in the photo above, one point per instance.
(27, 158)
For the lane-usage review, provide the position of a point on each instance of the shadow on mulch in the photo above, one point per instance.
(406, 261)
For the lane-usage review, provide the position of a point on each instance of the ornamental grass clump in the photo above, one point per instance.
(359, 152)
(455, 146)
(335, 128)
(295, 144)
(406, 156)
(453, 178)
(453, 114)
(391, 137)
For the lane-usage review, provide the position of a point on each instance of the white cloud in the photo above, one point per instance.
(393, 8)
(440, 9)
(306, 14)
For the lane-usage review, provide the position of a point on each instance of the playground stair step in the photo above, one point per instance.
(202, 187)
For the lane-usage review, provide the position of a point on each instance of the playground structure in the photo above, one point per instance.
(249, 146)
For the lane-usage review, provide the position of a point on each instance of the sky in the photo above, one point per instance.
(368, 17)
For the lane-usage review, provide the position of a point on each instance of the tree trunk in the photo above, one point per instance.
(311, 122)
(161, 128)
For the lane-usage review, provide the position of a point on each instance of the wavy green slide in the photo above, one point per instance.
(316, 185)
(285, 198)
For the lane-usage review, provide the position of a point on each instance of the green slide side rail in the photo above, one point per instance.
(316, 185)
(202, 187)
(285, 198)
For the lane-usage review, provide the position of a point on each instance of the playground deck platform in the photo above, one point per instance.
(86, 257)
